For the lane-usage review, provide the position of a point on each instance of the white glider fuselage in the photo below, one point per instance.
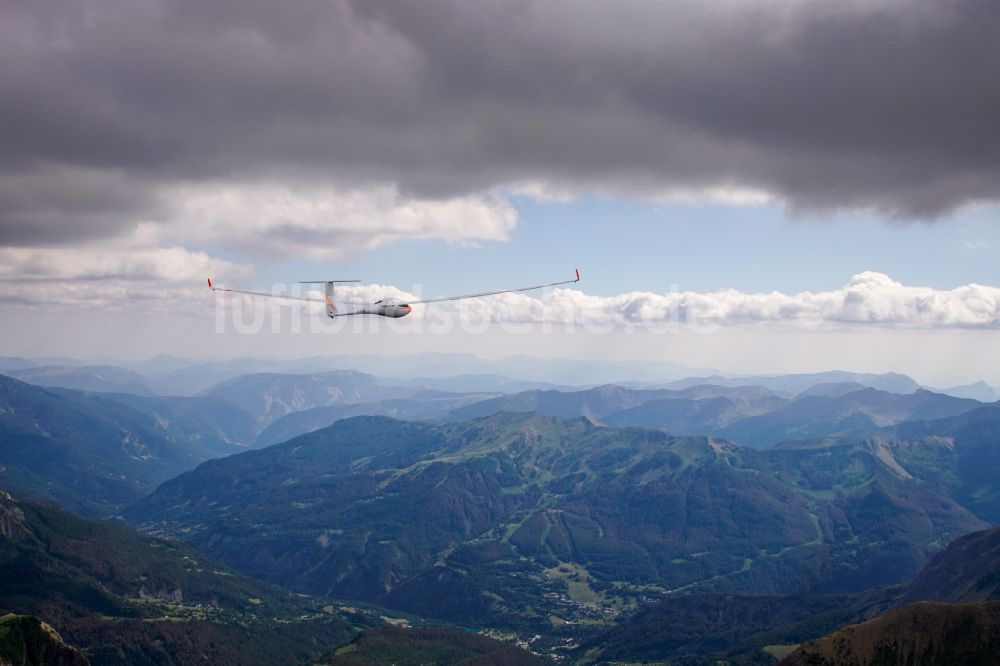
(387, 307)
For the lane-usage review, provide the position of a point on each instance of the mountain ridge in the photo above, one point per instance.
(925, 633)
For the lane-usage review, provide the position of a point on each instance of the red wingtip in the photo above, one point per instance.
(209, 283)
(578, 275)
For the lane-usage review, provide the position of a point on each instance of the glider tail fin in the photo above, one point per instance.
(331, 308)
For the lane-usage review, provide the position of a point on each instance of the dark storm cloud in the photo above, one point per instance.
(63, 205)
(890, 104)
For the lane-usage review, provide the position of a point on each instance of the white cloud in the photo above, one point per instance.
(719, 195)
(722, 195)
(324, 222)
(167, 264)
(868, 299)
(98, 298)
(112, 277)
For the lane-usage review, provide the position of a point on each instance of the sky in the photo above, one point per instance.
(766, 186)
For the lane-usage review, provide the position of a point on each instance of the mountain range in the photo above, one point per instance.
(176, 376)
(170, 375)
(89, 452)
(690, 523)
(481, 520)
(749, 415)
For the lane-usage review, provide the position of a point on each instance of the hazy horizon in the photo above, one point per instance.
(469, 363)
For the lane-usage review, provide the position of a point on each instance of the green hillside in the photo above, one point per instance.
(394, 646)
(752, 629)
(123, 597)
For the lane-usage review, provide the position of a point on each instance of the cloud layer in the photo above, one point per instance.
(115, 110)
(165, 283)
(868, 299)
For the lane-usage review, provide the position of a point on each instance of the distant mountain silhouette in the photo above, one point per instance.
(420, 406)
(852, 414)
(269, 396)
(102, 378)
(891, 382)
(749, 415)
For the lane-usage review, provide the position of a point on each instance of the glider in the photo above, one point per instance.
(386, 307)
